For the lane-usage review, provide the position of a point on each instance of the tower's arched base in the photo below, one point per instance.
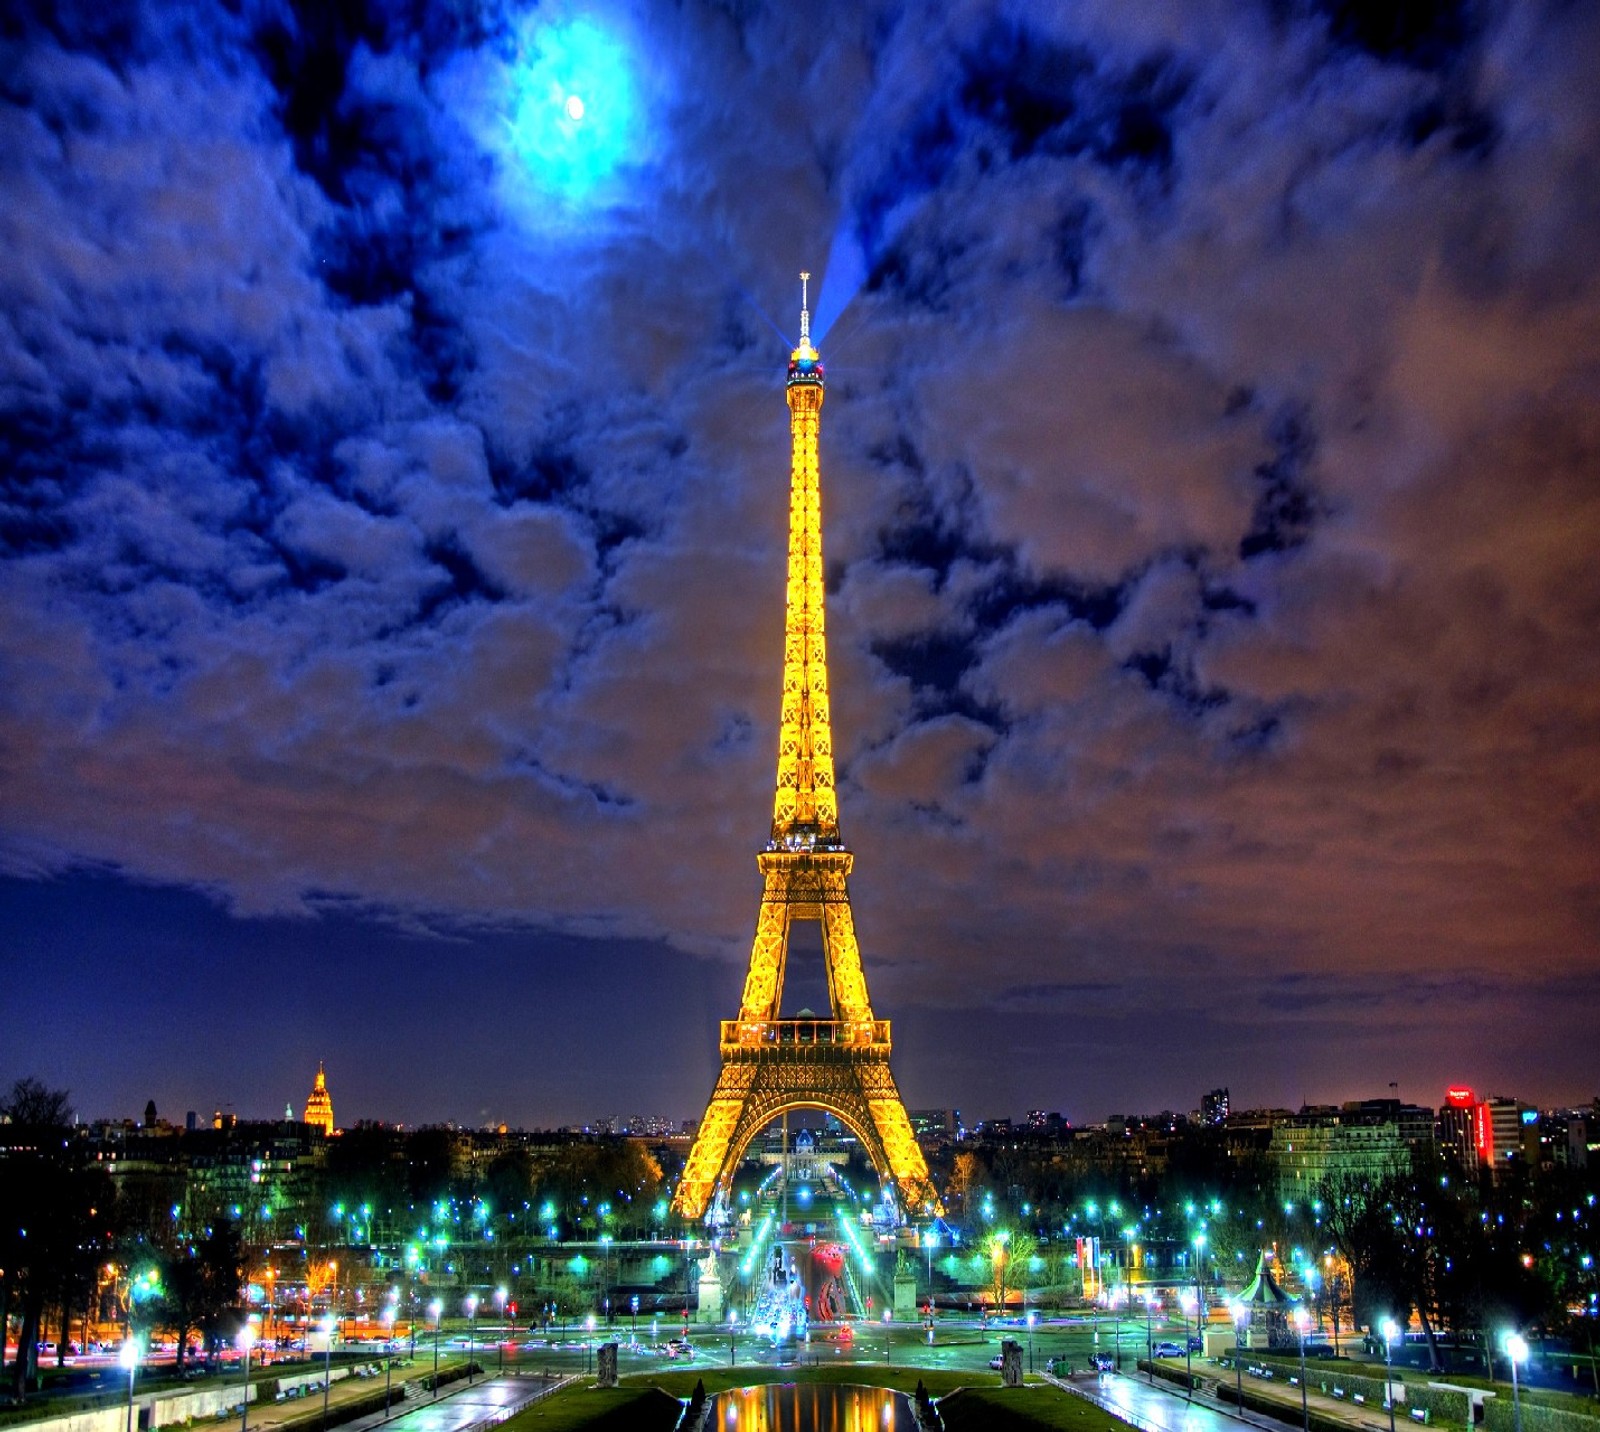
(774, 1066)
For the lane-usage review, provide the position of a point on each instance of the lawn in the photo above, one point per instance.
(615, 1409)
(1002, 1409)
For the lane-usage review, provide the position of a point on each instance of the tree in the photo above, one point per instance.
(968, 1178)
(33, 1106)
(200, 1286)
(55, 1216)
(1009, 1250)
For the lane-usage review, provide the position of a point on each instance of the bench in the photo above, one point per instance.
(1419, 1414)
(1337, 1392)
(1359, 1397)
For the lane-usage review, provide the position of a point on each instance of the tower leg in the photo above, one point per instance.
(708, 1155)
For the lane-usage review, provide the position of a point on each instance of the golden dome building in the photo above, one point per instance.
(319, 1107)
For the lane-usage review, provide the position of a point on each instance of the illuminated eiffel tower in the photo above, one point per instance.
(771, 1065)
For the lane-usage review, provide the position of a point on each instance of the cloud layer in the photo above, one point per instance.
(1210, 460)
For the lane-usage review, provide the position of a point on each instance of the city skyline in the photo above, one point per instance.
(392, 548)
(663, 1122)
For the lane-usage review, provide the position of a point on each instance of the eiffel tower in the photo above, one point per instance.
(771, 1065)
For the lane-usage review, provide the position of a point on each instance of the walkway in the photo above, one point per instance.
(460, 1407)
(1163, 1407)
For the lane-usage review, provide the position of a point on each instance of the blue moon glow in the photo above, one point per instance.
(572, 107)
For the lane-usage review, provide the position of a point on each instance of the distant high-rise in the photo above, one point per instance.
(1214, 1107)
(1461, 1131)
(319, 1107)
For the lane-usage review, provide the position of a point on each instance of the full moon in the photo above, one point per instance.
(574, 107)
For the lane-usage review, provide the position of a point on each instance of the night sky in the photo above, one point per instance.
(395, 464)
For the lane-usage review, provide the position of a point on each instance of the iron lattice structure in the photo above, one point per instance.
(769, 1064)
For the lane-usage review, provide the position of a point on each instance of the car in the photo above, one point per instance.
(1168, 1349)
(1103, 1362)
(998, 1361)
(1196, 1343)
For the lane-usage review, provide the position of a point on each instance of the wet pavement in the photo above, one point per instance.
(1158, 1409)
(460, 1406)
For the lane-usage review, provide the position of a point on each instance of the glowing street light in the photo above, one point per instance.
(388, 1349)
(1302, 1320)
(436, 1312)
(247, 1339)
(472, 1331)
(1188, 1300)
(328, 1326)
(128, 1356)
(1238, 1362)
(1149, 1340)
(1391, 1330)
(1517, 1351)
(500, 1296)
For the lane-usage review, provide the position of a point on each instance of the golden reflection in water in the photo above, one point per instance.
(807, 1407)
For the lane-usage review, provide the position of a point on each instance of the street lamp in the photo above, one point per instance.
(128, 1356)
(1390, 1331)
(247, 1338)
(436, 1310)
(733, 1323)
(1238, 1362)
(1187, 1299)
(1516, 1351)
(1118, 1325)
(500, 1304)
(472, 1331)
(389, 1352)
(1149, 1341)
(1032, 1318)
(1301, 1319)
(328, 1325)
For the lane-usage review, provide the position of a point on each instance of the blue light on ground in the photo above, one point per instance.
(571, 110)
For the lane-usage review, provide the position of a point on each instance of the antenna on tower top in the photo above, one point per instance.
(805, 309)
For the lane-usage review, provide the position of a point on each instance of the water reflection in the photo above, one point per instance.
(811, 1407)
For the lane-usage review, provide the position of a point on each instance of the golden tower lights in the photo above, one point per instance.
(771, 1065)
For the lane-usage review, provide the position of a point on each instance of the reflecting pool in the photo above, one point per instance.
(811, 1407)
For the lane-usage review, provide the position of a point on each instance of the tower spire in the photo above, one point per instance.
(805, 310)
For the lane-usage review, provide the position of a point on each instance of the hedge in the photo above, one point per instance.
(449, 1375)
(1500, 1416)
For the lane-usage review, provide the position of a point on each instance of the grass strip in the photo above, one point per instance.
(595, 1409)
